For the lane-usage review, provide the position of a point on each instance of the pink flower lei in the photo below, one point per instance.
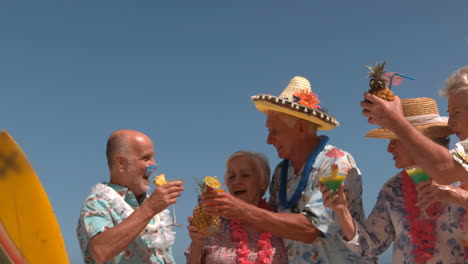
(421, 230)
(265, 251)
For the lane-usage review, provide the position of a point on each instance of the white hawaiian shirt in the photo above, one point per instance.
(328, 247)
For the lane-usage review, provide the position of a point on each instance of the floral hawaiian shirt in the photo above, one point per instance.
(328, 247)
(460, 155)
(387, 224)
(97, 215)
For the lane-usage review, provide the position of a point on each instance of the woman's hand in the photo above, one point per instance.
(224, 205)
(430, 192)
(335, 202)
(380, 112)
(339, 204)
(197, 237)
(195, 249)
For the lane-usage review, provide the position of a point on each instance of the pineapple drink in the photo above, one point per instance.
(418, 175)
(206, 224)
(380, 81)
(377, 82)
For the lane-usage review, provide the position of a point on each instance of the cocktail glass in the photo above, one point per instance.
(333, 182)
(334, 172)
(332, 176)
(418, 175)
(151, 170)
(174, 217)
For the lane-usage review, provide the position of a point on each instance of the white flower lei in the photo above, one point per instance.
(157, 240)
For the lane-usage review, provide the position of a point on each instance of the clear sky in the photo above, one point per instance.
(71, 72)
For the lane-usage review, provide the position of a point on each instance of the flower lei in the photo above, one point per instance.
(154, 238)
(283, 201)
(238, 234)
(421, 230)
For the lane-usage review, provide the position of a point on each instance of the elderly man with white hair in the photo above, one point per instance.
(119, 222)
(300, 218)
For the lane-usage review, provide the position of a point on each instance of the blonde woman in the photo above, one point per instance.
(247, 178)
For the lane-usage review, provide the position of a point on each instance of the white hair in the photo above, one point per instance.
(456, 83)
(261, 162)
(291, 121)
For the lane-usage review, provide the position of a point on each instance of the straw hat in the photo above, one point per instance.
(423, 114)
(299, 101)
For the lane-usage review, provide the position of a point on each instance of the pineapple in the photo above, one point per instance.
(377, 82)
(206, 224)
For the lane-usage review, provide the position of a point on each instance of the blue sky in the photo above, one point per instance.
(71, 72)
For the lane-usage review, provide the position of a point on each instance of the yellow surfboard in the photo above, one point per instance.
(29, 231)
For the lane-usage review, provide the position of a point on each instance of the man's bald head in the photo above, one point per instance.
(120, 143)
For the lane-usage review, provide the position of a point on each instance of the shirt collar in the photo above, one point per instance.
(128, 195)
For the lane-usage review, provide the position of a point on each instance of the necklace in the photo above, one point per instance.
(421, 230)
(304, 179)
(151, 234)
(238, 234)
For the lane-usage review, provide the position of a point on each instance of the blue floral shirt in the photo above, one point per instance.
(387, 224)
(97, 215)
(328, 247)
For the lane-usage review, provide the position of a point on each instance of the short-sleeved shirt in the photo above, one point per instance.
(328, 247)
(97, 215)
(388, 224)
(460, 155)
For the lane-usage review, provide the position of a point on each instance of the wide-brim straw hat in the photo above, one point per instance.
(423, 114)
(296, 100)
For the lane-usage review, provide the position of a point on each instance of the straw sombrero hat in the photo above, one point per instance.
(299, 101)
(421, 113)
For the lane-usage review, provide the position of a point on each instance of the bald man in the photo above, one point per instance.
(119, 222)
